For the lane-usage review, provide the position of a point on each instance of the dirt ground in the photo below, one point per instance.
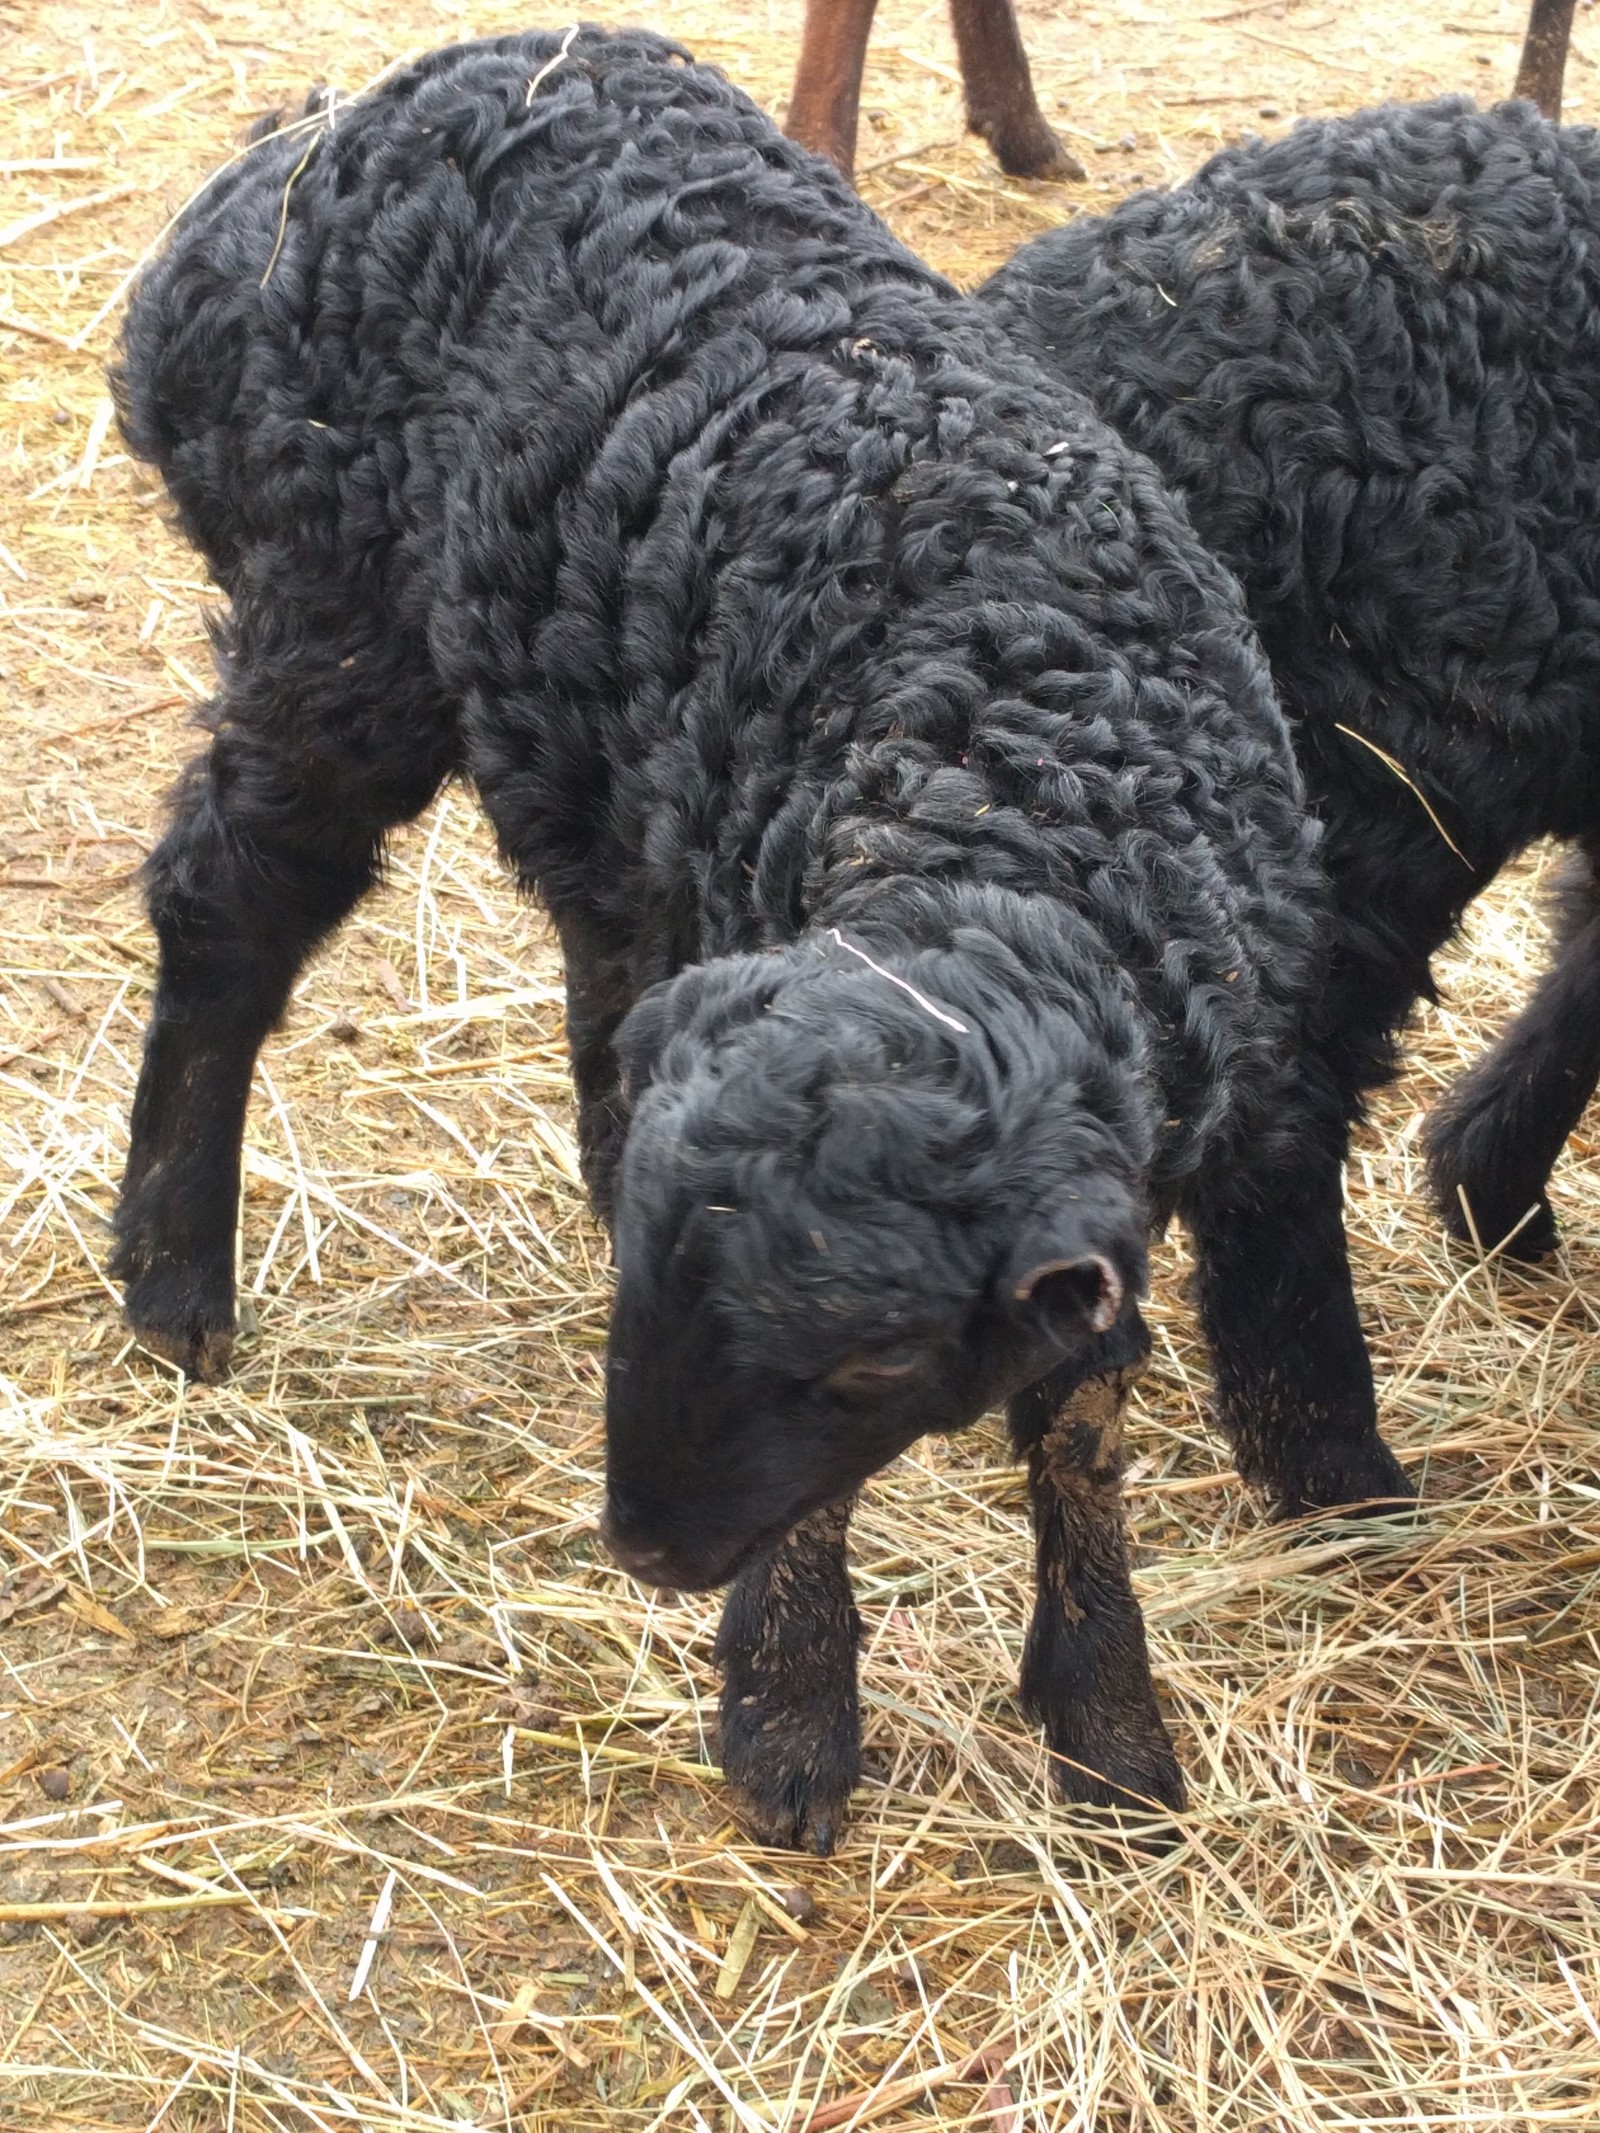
(342, 1780)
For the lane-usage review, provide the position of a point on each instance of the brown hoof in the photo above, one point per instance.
(1028, 148)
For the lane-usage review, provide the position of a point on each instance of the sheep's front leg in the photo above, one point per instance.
(791, 1718)
(599, 995)
(1293, 1378)
(1085, 1667)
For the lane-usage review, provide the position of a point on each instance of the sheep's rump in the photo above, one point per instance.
(1368, 355)
(566, 420)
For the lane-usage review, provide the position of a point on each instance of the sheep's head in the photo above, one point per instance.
(854, 1206)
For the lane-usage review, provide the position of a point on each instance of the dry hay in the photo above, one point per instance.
(319, 1678)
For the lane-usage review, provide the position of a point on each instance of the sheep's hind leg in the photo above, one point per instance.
(791, 1717)
(1293, 1377)
(276, 833)
(1002, 103)
(1493, 1138)
(1085, 1666)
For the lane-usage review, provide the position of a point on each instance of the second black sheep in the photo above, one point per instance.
(1368, 357)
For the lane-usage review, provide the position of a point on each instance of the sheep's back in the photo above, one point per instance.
(1368, 356)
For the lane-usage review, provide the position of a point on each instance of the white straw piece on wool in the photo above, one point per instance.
(921, 998)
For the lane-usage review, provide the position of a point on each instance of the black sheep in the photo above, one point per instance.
(905, 783)
(1368, 357)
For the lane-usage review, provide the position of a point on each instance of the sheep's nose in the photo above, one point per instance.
(644, 1560)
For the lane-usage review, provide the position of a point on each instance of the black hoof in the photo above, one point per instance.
(1500, 1228)
(1483, 1186)
(184, 1319)
(1360, 1480)
(791, 1776)
(1123, 1761)
(206, 1357)
(1093, 1695)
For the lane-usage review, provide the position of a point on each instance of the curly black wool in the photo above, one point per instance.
(1368, 357)
(903, 777)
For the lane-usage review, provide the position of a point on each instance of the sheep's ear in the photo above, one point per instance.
(1069, 1297)
(656, 1018)
(706, 994)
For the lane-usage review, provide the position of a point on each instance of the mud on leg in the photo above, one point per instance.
(1085, 1666)
(791, 1715)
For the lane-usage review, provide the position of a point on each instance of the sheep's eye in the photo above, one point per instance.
(863, 1377)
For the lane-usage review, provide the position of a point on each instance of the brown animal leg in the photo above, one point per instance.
(1543, 66)
(1001, 104)
(791, 1718)
(824, 104)
(1085, 1668)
